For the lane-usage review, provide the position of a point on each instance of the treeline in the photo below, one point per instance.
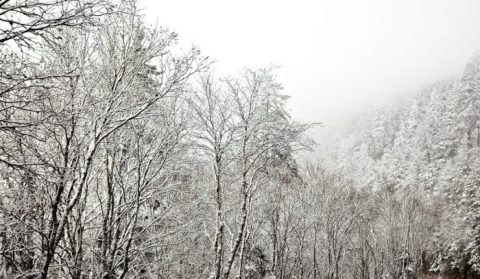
(122, 156)
(429, 142)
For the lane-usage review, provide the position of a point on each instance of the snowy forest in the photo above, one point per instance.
(122, 155)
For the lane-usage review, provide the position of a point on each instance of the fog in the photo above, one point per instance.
(336, 57)
(117, 160)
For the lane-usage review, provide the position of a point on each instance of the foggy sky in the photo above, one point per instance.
(336, 56)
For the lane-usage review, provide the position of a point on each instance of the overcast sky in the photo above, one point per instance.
(336, 56)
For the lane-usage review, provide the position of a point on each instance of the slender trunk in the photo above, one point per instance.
(78, 244)
(244, 209)
(107, 226)
(48, 261)
(126, 260)
(220, 225)
(58, 228)
(241, 258)
(242, 252)
(315, 254)
(241, 229)
(275, 221)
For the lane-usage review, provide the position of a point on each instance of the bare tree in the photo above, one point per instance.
(214, 138)
(113, 82)
(264, 131)
(23, 20)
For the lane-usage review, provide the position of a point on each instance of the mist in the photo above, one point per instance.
(153, 139)
(336, 57)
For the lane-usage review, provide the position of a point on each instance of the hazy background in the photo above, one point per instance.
(336, 56)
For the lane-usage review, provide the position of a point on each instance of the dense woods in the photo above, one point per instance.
(427, 144)
(123, 156)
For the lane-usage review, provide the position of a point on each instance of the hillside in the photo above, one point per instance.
(428, 142)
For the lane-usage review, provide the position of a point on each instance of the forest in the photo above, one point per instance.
(122, 155)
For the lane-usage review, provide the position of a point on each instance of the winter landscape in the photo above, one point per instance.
(128, 152)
